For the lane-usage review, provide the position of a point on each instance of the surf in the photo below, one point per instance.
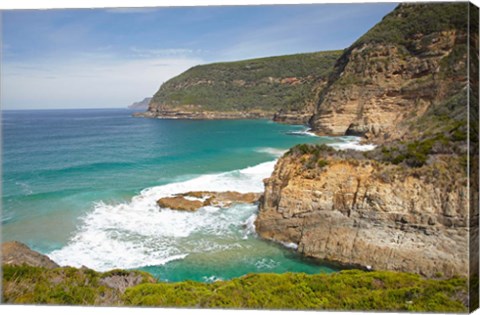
(139, 233)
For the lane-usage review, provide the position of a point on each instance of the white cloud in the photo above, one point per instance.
(87, 81)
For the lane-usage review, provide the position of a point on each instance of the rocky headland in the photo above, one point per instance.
(282, 88)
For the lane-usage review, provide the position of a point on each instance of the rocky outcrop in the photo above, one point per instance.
(412, 60)
(357, 211)
(194, 200)
(17, 254)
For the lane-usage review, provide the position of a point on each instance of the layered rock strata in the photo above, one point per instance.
(365, 213)
(412, 60)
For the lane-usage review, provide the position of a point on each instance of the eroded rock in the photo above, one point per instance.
(194, 200)
(344, 212)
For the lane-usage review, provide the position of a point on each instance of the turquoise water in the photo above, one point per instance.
(81, 186)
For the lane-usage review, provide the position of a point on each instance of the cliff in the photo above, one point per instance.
(355, 210)
(405, 205)
(283, 87)
(411, 62)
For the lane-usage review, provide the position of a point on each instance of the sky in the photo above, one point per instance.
(112, 57)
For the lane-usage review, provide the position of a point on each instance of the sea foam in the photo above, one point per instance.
(138, 233)
(272, 151)
(306, 132)
(351, 142)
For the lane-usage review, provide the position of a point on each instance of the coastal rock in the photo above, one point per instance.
(192, 201)
(359, 212)
(395, 75)
(16, 253)
(180, 203)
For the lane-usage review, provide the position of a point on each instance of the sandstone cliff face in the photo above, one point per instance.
(369, 214)
(404, 206)
(389, 78)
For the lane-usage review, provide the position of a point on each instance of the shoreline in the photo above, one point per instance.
(145, 205)
(281, 118)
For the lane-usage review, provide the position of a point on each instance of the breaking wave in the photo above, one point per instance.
(139, 233)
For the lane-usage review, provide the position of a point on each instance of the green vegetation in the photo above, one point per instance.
(312, 156)
(67, 285)
(407, 20)
(441, 134)
(346, 290)
(266, 84)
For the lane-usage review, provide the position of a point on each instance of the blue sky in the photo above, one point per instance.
(88, 58)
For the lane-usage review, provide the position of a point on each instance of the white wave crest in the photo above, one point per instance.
(351, 142)
(306, 132)
(289, 245)
(272, 151)
(249, 225)
(138, 233)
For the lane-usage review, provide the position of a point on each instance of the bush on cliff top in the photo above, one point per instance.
(66, 285)
(408, 20)
(346, 290)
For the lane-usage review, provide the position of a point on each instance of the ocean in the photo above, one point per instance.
(81, 187)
